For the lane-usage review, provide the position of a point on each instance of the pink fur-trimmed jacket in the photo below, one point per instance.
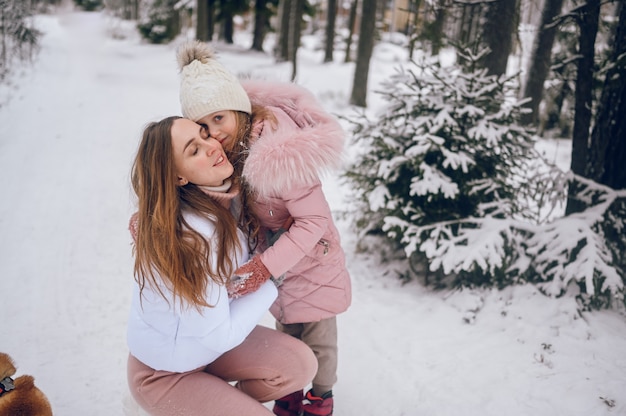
(284, 167)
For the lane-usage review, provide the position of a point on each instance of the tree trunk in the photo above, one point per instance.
(226, 20)
(330, 30)
(4, 66)
(125, 10)
(351, 23)
(295, 17)
(588, 20)
(381, 9)
(135, 9)
(540, 60)
(607, 153)
(364, 53)
(469, 22)
(130, 9)
(202, 21)
(497, 34)
(414, 13)
(435, 31)
(261, 23)
(211, 18)
(281, 51)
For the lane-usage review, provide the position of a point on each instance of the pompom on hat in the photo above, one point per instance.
(206, 86)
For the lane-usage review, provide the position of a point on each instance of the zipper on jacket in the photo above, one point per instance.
(326, 245)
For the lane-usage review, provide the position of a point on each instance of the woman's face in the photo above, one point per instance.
(198, 158)
(222, 126)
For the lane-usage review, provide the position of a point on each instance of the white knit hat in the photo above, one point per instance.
(206, 86)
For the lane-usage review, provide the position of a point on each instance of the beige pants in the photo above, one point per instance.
(266, 366)
(321, 337)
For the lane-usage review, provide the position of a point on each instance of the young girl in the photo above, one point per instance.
(188, 341)
(280, 141)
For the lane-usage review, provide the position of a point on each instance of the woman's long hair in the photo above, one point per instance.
(167, 247)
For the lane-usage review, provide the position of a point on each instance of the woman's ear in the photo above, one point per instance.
(182, 181)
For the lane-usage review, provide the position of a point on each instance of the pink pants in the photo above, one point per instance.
(266, 366)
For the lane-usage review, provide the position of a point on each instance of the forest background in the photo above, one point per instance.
(528, 69)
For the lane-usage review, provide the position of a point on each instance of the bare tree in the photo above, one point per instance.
(330, 30)
(205, 22)
(540, 59)
(607, 151)
(497, 34)
(281, 52)
(588, 15)
(225, 18)
(135, 9)
(129, 9)
(295, 19)
(414, 13)
(435, 29)
(364, 53)
(212, 14)
(468, 17)
(351, 24)
(227, 12)
(261, 24)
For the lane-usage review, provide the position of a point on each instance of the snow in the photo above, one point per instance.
(69, 127)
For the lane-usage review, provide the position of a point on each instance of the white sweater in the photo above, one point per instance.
(165, 337)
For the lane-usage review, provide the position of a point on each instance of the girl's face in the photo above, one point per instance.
(222, 126)
(198, 158)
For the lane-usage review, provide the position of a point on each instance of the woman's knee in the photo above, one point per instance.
(137, 373)
(300, 357)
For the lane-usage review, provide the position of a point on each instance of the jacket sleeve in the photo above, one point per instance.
(225, 326)
(309, 209)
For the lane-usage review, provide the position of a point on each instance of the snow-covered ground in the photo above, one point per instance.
(68, 133)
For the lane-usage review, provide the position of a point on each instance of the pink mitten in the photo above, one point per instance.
(248, 278)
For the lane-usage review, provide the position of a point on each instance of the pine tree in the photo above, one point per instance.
(162, 23)
(448, 174)
(447, 156)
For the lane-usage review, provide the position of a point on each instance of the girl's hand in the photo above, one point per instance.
(248, 278)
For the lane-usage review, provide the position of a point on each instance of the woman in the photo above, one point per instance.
(187, 339)
(281, 140)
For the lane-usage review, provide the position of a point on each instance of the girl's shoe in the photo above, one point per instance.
(318, 406)
(290, 405)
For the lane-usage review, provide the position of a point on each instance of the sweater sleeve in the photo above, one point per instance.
(309, 209)
(225, 326)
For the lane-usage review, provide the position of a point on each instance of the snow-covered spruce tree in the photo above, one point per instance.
(19, 39)
(162, 21)
(443, 167)
(585, 248)
(447, 174)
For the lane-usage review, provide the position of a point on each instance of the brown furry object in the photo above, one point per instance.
(24, 399)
